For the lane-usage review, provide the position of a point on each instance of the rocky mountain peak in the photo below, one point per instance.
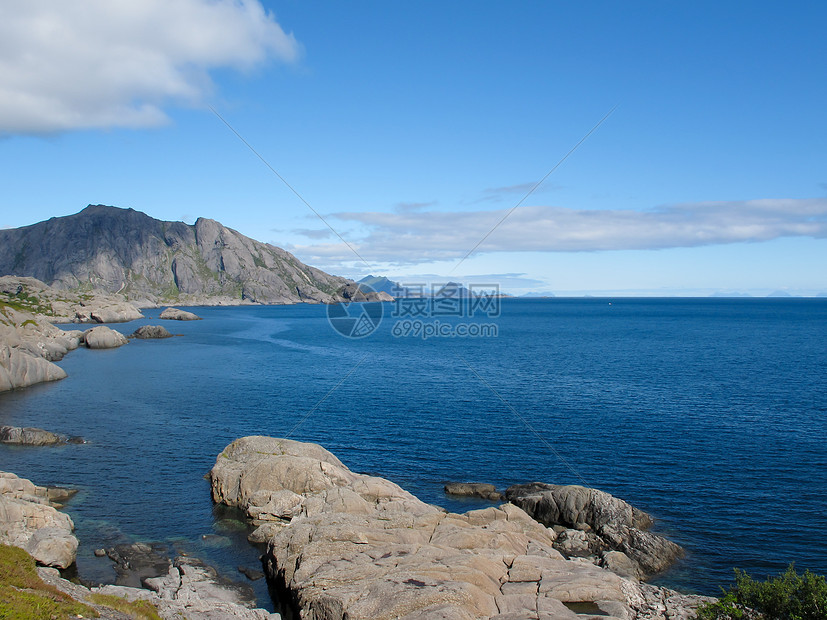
(114, 250)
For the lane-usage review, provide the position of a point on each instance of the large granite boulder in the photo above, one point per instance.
(597, 523)
(20, 368)
(103, 338)
(27, 520)
(28, 346)
(175, 314)
(347, 545)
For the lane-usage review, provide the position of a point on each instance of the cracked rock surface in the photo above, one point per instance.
(347, 545)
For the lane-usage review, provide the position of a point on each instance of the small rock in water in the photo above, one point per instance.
(29, 436)
(473, 489)
(139, 561)
(151, 331)
(250, 573)
(230, 525)
(214, 540)
(175, 314)
(100, 553)
(60, 495)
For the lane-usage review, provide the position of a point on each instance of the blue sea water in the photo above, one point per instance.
(710, 414)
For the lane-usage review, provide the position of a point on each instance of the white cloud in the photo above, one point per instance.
(405, 207)
(115, 63)
(418, 237)
(314, 233)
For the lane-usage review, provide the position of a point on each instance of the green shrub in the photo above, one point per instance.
(789, 596)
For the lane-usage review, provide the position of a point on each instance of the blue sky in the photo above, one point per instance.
(414, 128)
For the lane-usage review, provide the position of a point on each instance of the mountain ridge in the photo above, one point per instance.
(149, 261)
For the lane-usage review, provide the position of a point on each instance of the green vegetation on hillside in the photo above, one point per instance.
(23, 302)
(789, 596)
(24, 596)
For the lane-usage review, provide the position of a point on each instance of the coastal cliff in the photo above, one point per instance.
(347, 545)
(112, 250)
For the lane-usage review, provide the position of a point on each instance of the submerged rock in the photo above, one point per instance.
(174, 314)
(151, 331)
(139, 561)
(347, 545)
(250, 573)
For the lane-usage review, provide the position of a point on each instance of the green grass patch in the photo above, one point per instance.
(143, 610)
(23, 302)
(24, 596)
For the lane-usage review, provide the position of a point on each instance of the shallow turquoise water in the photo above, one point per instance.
(710, 414)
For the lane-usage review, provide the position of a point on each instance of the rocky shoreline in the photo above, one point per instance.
(183, 587)
(30, 342)
(29, 309)
(347, 545)
(342, 545)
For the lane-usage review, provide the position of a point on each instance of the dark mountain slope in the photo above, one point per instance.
(112, 250)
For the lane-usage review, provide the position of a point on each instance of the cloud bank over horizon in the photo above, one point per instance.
(412, 237)
(92, 64)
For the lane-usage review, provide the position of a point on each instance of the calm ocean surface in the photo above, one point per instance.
(710, 414)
